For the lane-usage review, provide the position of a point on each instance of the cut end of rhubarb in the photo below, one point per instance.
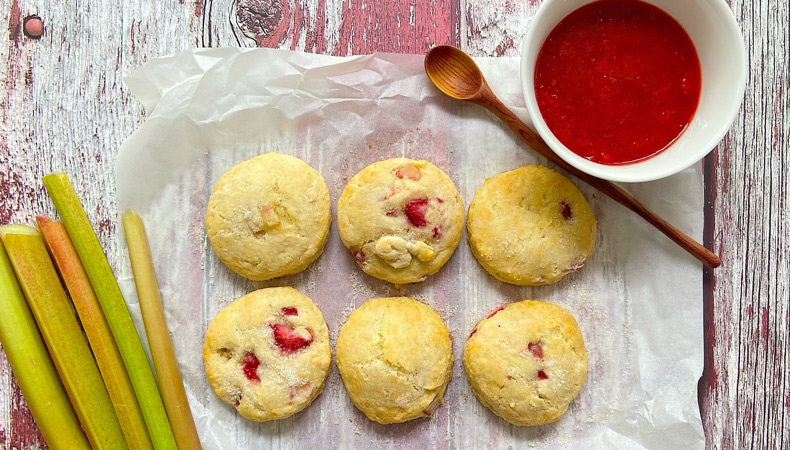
(43, 220)
(129, 215)
(55, 178)
(17, 229)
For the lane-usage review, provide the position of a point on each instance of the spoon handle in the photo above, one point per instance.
(493, 104)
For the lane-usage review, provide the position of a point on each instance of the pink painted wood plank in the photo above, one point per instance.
(361, 26)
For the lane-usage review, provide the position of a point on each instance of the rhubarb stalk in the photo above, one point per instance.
(170, 383)
(63, 336)
(99, 335)
(114, 308)
(33, 368)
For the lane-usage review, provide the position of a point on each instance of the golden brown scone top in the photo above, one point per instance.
(526, 362)
(395, 358)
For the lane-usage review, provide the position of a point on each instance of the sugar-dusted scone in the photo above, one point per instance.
(395, 358)
(530, 226)
(526, 362)
(269, 216)
(402, 219)
(268, 353)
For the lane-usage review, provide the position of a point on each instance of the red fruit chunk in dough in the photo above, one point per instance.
(250, 365)
(290, 311)
(436, 233)
(408, 171)
(542, 375)
(536, 349)
(415, 211)
(293, 391)
(567, 214)
(287, 340)
(491, 314)
(360, 257)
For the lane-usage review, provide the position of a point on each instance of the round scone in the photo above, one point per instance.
(269, 216)
(268, 353)
(526, 362)
(395, 358)
(530, 226)
(402, 219)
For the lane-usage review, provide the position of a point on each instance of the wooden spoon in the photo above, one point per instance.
(456, 74)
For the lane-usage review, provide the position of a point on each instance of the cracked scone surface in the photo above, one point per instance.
(530, 226)
(395, 358)
(526, 362)
(401, 218)
(268, 353)
(269, 216)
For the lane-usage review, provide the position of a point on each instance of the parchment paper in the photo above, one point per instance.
(638, 299)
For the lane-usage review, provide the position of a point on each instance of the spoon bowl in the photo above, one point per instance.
(454, 72)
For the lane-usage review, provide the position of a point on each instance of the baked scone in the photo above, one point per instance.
(269, 216)
(402, 219)
(268, 353)
(530, 226)
(395, 358)
(526, 362)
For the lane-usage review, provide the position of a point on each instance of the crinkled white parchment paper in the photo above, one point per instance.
(638, 300)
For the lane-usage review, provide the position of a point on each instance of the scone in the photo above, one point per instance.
(526, 362)
(268, 353)
(402, 219)
(530, 226)
(395, 358)
(269, 217)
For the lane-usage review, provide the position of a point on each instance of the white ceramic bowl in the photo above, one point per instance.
(722, 56)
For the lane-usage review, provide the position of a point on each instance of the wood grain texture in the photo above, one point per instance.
(65, 108)
(745, 391)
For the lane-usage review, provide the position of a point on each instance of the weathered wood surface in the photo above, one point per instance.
(65, 107)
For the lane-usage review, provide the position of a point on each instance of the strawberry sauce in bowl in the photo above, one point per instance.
(631, 90)
(617, 81)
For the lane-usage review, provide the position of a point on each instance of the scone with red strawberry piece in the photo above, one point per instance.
(401, 218)
(526, 362)
(530, 226)
(268, 353)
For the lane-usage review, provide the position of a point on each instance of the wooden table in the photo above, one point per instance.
(65, 108)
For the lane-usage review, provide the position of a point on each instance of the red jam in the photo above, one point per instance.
(617, 81)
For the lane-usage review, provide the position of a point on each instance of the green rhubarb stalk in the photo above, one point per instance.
(63, 336)
(170, 383)
(99, 335)
(114, 307)
(33, 368)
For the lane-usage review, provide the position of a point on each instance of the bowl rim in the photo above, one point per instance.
(615, 172)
